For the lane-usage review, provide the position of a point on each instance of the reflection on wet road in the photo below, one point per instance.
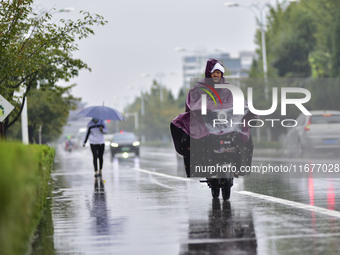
(146, 206)
(99, 208)
(227, 231)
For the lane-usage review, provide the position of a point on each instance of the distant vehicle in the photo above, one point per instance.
(108, 138)
(124, 143)
(319, 132)
(80, 137)
(69, 143)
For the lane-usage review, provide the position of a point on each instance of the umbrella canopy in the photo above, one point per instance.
(101, 112)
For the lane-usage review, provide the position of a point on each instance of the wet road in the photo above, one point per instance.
(146, 206)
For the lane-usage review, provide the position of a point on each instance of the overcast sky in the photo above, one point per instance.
(141, 37)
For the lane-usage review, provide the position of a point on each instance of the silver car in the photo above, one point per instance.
(319, 132)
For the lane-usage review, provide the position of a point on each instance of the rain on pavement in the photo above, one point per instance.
(146, 206)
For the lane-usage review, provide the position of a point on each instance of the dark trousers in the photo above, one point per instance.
(97, 152)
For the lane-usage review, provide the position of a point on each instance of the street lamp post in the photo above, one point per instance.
(24, 118)
(260, 10)
(24, 121)
(159, 76)
(68, 9)
(142, 105)
(264, 49)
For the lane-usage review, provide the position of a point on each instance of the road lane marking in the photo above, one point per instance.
(257, 238)
(162, 175)
(292, 203)
(153, 180)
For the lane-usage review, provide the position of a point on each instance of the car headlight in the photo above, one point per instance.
(114, 144)
(136, 143)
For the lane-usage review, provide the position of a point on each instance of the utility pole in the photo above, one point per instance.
(24, 121)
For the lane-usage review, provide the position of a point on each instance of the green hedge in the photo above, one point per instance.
(24, 176)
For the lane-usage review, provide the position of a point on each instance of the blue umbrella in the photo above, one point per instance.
(101, 112)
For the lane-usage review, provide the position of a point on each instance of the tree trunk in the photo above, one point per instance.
(3, 129)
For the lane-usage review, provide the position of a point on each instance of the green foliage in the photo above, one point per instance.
(182, 95)
(33, 48)
(25, 172)
(155, 123)
(335, 47)
(48, 108)
(325, 94)
(43, 242)
(320, 63)
(302, 40)
(290, 39)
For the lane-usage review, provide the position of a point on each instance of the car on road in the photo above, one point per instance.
(315, 133)
(108, 139)
(124, 143)
(80, 137)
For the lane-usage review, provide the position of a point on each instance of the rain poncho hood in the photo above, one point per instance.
(210, 65)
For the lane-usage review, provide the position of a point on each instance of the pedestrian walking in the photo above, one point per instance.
(95, 134)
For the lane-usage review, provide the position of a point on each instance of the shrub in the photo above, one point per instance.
(25, 172)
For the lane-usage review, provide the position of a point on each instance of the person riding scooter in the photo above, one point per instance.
(189, 129)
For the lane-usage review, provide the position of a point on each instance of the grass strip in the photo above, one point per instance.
(24, 176)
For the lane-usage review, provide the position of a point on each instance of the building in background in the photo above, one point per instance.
(194, 65)
(246, 59)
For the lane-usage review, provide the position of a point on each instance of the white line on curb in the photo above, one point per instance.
(162, 175)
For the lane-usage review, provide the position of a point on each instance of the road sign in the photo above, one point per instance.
(5, 108)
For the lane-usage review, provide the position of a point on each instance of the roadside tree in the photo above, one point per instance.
(32, 49)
